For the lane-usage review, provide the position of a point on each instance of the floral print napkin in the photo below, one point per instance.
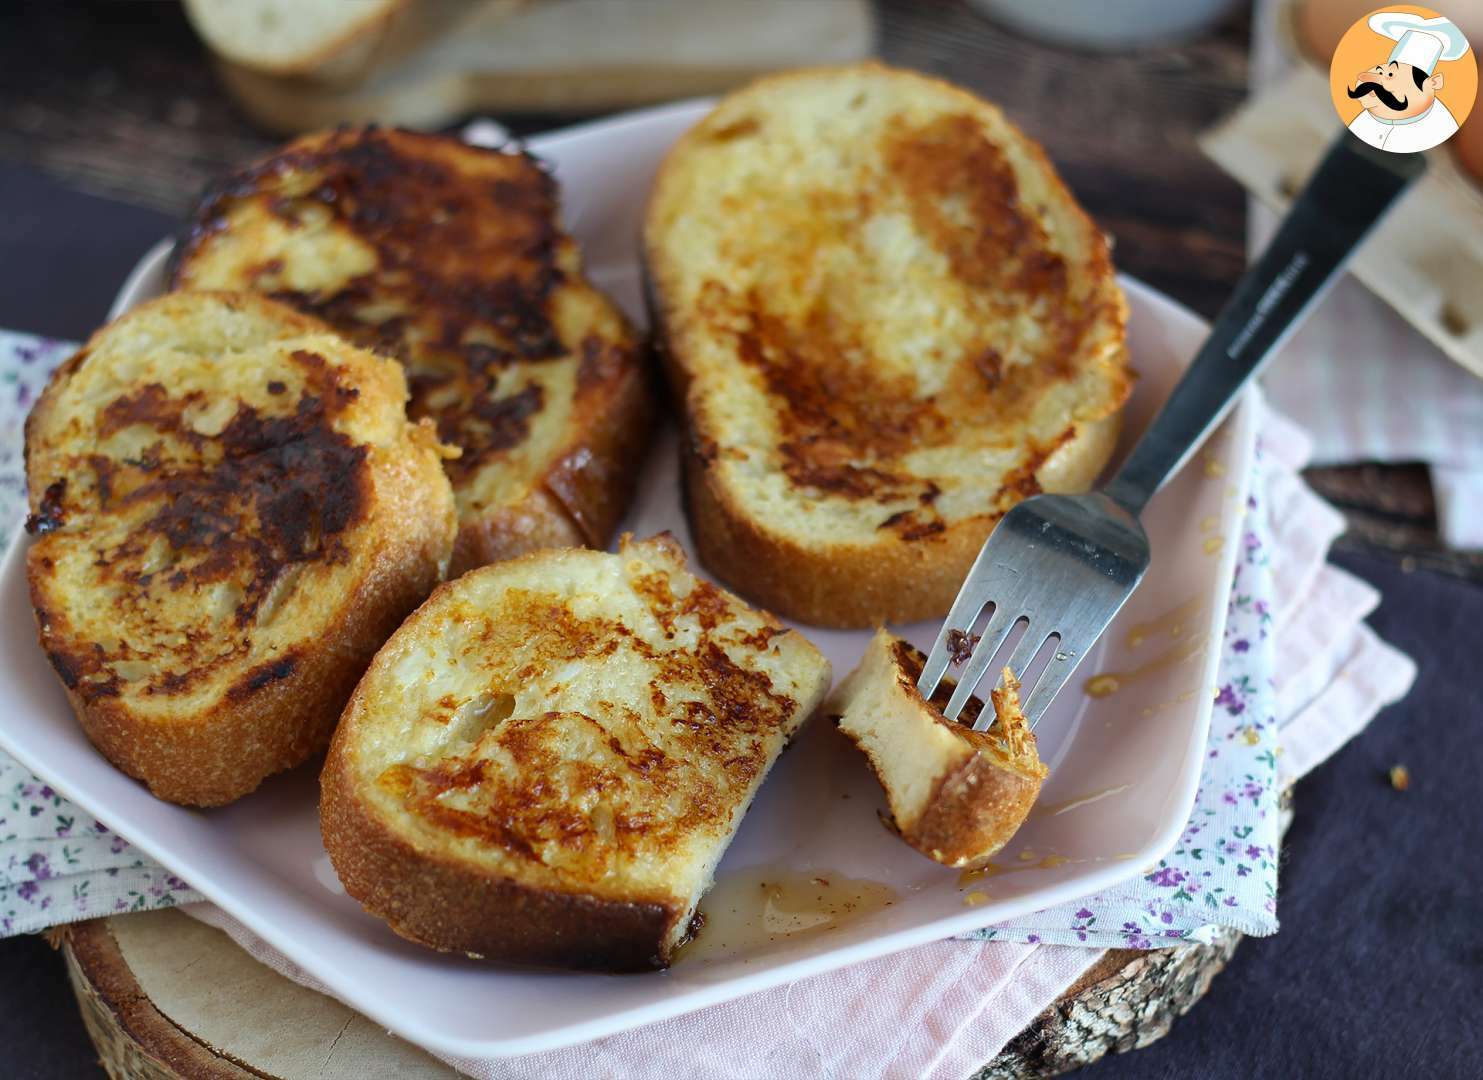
(1223, 871)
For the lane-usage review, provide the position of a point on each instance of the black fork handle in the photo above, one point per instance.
(1349, 193)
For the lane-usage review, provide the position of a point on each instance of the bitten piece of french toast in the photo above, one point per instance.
(888, 321)
(955, 794)
(232, 513)
(547, 761)
(451, 258)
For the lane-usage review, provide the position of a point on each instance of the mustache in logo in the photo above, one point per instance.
(1389, 100)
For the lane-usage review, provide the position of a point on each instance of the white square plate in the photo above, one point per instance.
(1139, 750)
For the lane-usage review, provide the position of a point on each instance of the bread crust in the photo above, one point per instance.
(850, 585)
(282, 711)
(893, 577)
(446, 904)
(982, 785)
(586, 491)
(973, 812)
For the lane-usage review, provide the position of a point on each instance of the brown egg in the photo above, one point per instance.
(1467, 146)
(1321, 23)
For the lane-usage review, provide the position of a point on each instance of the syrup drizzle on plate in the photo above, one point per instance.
(1076, 803)
(1110, 682)
(763, 905)
(1027, 860)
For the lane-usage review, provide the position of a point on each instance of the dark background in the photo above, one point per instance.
(111, 120)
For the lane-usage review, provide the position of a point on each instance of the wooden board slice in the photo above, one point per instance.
(165, 997)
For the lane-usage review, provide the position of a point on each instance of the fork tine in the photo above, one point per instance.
(1000, 623)
(1055, 676)
(967, 605)
(1018, 661)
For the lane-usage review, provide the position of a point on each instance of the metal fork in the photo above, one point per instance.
(1068, 563)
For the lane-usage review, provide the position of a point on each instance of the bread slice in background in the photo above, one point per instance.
(955, 794)
(888, 321)
(546, 762)
(451, 258)
(231, 514)
(296, 37)
(570, 56)
(323, 45)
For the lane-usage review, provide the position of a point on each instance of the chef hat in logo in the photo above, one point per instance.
(1420, 42)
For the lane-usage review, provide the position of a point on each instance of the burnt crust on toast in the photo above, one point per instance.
(181, 522)
(450, 258)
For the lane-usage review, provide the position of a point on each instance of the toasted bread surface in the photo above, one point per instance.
(888, 321)
(450, 258)
(546, 762)
(231, 513)
(955, 794)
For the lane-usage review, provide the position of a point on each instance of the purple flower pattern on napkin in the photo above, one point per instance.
(1223, 870)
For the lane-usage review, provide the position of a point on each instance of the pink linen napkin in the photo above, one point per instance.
(943, 1010)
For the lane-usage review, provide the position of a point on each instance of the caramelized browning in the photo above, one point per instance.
(964, 196)
(230, 515)
(586, 787)
(849, 416)
(835, 414)
(467, 261)
(1009, 737)
(49, 517)
(909, 662)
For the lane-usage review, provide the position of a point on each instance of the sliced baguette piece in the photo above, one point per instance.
(320, 46)
(575, 57)
(955, 794)
(231, 514)
(887, 321)
(547, 761)
(450, 257)
(298, 37)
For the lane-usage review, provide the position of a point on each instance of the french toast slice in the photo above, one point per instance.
(887, 321)
(955, 794)
(450, 258)
(231, 513)
(547, 761)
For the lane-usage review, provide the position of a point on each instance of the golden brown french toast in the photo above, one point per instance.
(546, 762)
(450, 258)
(888, 321)
(955, 794)
(232, 513)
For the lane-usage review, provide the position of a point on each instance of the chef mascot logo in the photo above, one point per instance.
(1403, 79)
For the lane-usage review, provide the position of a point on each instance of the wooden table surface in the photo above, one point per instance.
(119, 98)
